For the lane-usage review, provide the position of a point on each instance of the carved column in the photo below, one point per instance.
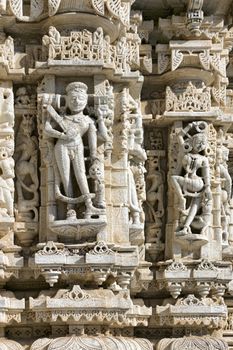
(190, 108)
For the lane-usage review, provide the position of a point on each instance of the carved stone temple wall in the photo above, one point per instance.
(116, 168)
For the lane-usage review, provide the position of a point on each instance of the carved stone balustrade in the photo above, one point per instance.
(193, 313)
(10, 308)
(10, 264)
(80, 307)
(205, 278)
(191, 100)
(87, 263)
(85, 48)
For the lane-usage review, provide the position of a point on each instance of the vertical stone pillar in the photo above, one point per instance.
(7, 146)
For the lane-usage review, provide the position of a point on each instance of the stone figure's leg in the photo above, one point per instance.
(133, 204)
(224, 216)
(9, 202)
(19, 191)
(194, 206)
(80, 170)
(63, 164)
(160, 200)
(177, 184)
(80, 174)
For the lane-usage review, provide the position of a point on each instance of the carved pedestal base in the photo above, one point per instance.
(79, 230)
(136, 234)
(193, 240)
(26, 232)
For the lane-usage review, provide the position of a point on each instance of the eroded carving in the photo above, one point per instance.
(6, 153)
(85, 46)
(192, 99)
(26, 166)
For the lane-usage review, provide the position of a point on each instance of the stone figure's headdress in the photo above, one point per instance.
(76, 86)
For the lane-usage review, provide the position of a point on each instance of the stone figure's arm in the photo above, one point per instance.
(102, 112)
(184, 132)
(8, 166)
(45, 40)
(49, 130)
(206, 175)
(92, 139)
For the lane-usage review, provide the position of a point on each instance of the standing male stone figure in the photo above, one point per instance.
(69, 148)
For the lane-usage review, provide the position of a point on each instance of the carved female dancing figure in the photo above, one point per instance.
(193, 188)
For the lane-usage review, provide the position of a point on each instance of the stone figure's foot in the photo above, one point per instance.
(4, 213)
(100, 205)
(93, 212)
(115, 287)
(185, 231)
(136, 221)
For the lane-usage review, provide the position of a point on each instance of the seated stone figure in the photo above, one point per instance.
(69, 148)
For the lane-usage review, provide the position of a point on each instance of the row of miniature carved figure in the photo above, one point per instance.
(87, 46)
(80, 46)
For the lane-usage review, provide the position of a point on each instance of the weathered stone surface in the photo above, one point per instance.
(116, 150)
